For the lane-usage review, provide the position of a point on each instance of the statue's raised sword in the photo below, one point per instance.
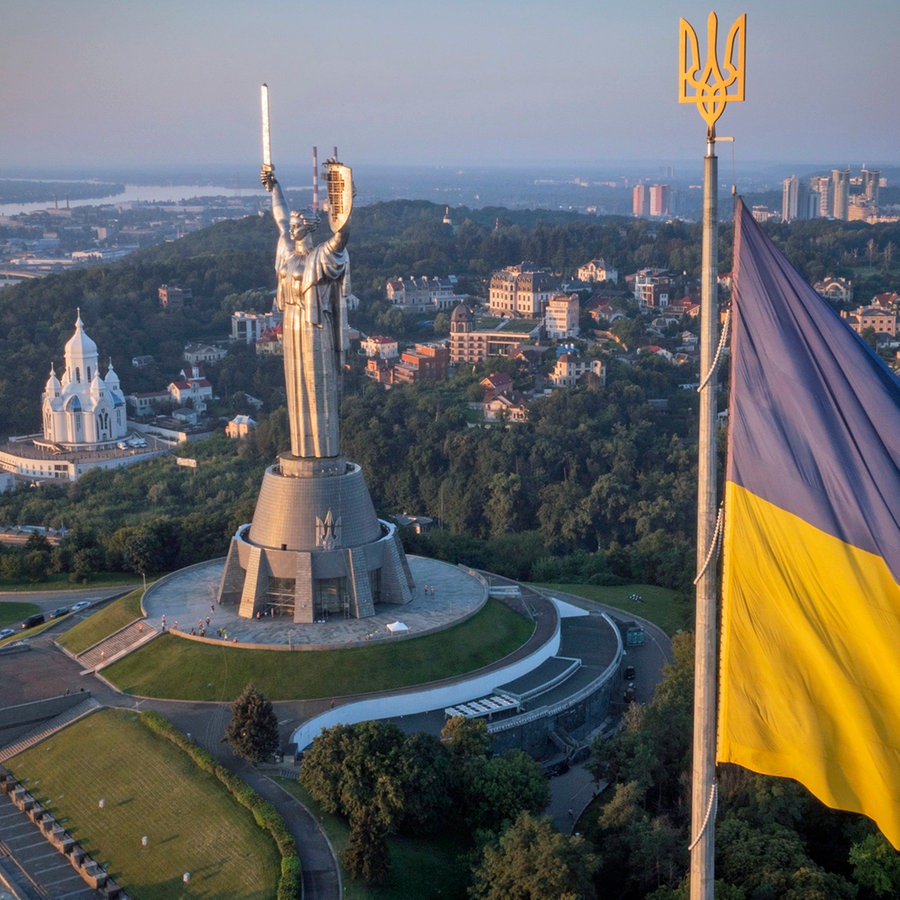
(266, 135)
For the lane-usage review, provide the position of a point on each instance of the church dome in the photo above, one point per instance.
(80, 345)
(53, 386)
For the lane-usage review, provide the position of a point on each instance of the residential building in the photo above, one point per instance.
(380, 369)
(821, 193)
(172, 297)
(521, 291)
(469, 345)
(881, 321)
(571, 367)
(561, 317)
(790, 199)
(496, 383)
(886, 301)
(505, 407)
(597, 270)
(203, 353)
(652, 287)
(420, 294)
(425, 362)
(660, 200)
(871, 183)
(191, 386)
(837, 290)
(840, 185)
(684, 307)
(380, 346)
(271, 341)
(240, 426)
(248, 327)
(148, 403)
(640, 201)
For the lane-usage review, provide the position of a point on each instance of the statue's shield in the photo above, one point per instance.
(339, 181)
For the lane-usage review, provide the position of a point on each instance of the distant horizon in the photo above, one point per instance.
(190, 170)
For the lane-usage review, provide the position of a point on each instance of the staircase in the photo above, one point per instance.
(48, 727)
(122, 642)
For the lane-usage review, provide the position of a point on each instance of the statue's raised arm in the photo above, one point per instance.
(280, 210)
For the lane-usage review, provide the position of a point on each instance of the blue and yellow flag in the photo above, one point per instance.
(810, 669)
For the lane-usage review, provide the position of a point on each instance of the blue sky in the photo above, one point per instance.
(449, 82)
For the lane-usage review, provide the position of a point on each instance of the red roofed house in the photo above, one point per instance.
(495, 384)
(193, 386)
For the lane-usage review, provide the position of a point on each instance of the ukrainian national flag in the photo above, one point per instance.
(810, 669)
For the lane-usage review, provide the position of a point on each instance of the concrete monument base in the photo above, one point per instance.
(315, 547)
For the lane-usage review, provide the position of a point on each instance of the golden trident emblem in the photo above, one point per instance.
(712, 89)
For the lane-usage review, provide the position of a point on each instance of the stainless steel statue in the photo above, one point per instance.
(313, 283)
(316, 547)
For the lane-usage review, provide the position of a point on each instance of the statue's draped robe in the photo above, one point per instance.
(312, 295)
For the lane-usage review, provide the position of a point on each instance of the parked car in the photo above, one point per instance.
(80, 605)
(6, 632)
(628, 674)
(59, 611)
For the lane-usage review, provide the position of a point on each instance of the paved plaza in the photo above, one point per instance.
(444, 594)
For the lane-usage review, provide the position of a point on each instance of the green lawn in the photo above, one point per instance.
(102, 623)
(420, 867)
(659, 605)
(186, 670)
(12, 613)
(149, 787)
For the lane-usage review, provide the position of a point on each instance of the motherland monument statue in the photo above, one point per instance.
(315, 547)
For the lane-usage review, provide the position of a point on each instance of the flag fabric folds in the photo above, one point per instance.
(810, 655)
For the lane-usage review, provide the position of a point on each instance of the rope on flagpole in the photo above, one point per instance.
(711, 808)
(713, 544)
(723, 337)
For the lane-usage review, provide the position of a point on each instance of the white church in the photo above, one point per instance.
(85, 424)
(84, 407)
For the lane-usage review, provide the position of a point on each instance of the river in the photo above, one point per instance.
(148, 193)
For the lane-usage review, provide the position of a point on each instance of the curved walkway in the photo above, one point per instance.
(44, 671)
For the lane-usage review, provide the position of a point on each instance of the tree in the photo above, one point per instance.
(36, 565)
(366, 855)
(425, 773)
(532, 861)
(502, 787)
(253, 730)
(876, 865)
(355, 770)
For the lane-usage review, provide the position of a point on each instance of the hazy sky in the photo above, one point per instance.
(120, 82)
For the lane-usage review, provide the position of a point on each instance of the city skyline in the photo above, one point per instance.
(105, 83)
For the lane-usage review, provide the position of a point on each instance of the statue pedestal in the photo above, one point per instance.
(315, 547)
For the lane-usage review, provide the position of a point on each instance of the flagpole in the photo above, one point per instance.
(711, 89)
(703, 780)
